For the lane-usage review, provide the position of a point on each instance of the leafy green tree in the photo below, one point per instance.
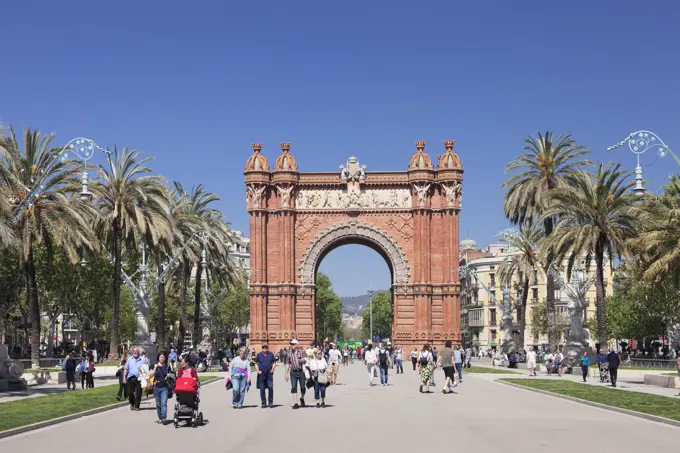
(641, 309)
(596, 220)
(54, 217)
(132, 203)
(232, 311)
(328, 309)
(545, 166)
(382, 316)
(658, 244)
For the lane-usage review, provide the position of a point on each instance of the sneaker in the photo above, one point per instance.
(117, 398)
(444, 391)
(271, 406)
(234, 406)
(264, 406)
(302, 402)
(421, 389)
(296, 406)
(323, 404)
(318, 405)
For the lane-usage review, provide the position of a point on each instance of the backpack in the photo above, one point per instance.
(382, 356)
(423, 359)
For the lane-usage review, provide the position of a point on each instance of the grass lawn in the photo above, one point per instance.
(109, 363)
(39, 409)
(484, 370)
(660, 406)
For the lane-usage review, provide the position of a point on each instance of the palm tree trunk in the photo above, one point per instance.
(553, 338)
(117, 273)
(196, 334)
(523, 316)
(183, 281)
(33, 307)
(602, 337)
(161, 338)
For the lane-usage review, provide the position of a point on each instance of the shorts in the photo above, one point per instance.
(449, 372)
(295, 377)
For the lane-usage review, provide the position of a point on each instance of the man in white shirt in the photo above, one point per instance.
(370, 359)
(531, 361)
(334, 357)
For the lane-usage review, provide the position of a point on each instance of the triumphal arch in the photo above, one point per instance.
(409, 217)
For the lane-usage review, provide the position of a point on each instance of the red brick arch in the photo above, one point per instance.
(411, 219)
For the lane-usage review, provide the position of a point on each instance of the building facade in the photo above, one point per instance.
(240, 250)
(481, 316)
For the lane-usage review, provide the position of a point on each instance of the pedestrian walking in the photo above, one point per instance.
(585, 365)
(70, 366)
(160, 388)
(89, 383)
(82, 369)
(458, 362)
(414, 358)
(446, 359)
(265, 364)
(319, 372)
(345, 356)
(333, 364)
(172, 359)
(370, 359)
(296, 374)
(468, 357)
(614, 361)
(549, 362)
(239, 376)
(531, 361)
(434, 362)
(399, 359)
(426, 367)
(122, 388)
(132, 379)
(383, 364)
(559, 358)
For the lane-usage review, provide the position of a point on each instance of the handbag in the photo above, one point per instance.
(321, 376)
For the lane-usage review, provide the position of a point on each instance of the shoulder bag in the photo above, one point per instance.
(321, 376)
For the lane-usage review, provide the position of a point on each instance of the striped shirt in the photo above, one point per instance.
(296, 359)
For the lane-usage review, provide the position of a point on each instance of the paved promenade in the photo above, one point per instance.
(482, 416)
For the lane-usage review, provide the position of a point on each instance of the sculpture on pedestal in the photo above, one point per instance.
(577, 338)
(10, 372)
(508, 344)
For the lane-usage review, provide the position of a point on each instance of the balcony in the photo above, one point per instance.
(492, 323)
(476, 322)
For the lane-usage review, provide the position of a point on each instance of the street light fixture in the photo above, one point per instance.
(640, 142)
(83, 149)
(370, 300)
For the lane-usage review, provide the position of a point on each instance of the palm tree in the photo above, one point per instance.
(596, 219)
(524, 263)
(133, 203)
(658, 244)
(545, 166)
(54, 217)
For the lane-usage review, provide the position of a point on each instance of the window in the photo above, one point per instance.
(493, 335)
(492, 280)
(534, 293)
(492, 317)
(535, 277)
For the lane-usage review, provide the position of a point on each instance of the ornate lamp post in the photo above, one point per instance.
(639, 143)
(83, 149)
(370, 301)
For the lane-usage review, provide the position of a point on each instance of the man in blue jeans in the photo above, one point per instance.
(458, 360)
(383, 363)
(265, 364)
(296, 374)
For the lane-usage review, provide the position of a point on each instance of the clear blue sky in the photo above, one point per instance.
(194, 83)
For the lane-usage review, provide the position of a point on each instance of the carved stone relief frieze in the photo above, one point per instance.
(341, 199)
(402, 225)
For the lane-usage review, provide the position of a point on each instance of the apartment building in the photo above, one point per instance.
(481, 317)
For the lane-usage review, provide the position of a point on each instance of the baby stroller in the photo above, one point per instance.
(186, 403)
(604, 372)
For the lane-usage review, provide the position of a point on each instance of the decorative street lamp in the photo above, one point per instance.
(370, 301)
(640, 142)
(83, 149)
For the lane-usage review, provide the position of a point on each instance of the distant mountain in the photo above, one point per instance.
(351, 305)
